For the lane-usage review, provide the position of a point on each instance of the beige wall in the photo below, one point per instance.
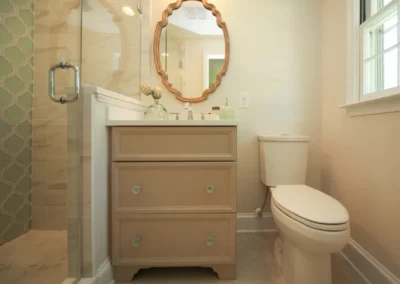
(361, 155)
(278, 63)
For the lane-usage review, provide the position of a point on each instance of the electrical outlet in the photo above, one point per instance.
(244, 100)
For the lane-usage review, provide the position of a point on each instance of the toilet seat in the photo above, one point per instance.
(311, 207)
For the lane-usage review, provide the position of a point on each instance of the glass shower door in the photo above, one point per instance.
(57, 62)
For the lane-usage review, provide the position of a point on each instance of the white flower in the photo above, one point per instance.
(146, 89)
(149, 91)
(157, 93)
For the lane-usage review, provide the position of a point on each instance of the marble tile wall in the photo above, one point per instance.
(110, 56)
(57, 38)
(16, 78)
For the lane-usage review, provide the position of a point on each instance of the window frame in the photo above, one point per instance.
(358, 103)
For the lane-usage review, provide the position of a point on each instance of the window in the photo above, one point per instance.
(374, 56)
(379, 48)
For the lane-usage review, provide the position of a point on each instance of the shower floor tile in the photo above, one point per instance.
(37, 257)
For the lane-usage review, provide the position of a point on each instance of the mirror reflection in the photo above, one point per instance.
(192, 49)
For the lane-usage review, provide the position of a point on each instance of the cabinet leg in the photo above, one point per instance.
(226, 271)
(125, 273)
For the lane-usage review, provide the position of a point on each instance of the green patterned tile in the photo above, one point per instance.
(5, 221)
(14, 84)
(5, 129)
(32, 34)
(26, 45)
(26, 73)
(13, 203)
(14, 115)
(13, 173)
(4, 192)
(24, 158)
(5, 160)
(13, 232)
(6, 67)
(13, 144)
(6, 7)
(24, 186)
(5, 37)
(25, 100)
(24, 214)
(16, 89)
(20, 2)
(6, 98)
(26, 16)
(14, 55)
(15, 26)
(25, 129)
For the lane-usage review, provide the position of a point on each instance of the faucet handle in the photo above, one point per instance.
(176, 115)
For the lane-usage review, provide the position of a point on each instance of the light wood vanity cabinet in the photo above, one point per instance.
(173, 198)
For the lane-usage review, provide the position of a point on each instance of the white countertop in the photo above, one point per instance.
(172, 123)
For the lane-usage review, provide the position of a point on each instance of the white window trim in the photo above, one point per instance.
(354, 105)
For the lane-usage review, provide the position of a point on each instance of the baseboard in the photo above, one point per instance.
(251, 223)
(104, 275)
(367, 266)
(69, 281)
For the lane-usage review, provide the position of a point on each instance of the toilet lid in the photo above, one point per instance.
(311, 207)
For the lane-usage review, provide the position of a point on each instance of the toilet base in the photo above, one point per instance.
(299, 267)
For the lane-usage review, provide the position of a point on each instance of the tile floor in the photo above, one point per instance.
(40, 257)
(37, 257)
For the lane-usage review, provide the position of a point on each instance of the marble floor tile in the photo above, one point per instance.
(255, 265)
(37, 257)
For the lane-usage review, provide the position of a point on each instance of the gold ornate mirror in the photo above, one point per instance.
(191, 49)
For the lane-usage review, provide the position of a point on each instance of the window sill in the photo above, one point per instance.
(374, 106)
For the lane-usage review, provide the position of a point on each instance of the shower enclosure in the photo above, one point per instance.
(83, 43)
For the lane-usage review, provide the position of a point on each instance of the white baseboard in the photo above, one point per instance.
(369, 268)
(251, 223)
(69, 281)
(104, 275)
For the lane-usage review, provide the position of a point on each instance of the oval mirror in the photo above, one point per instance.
(191, 49)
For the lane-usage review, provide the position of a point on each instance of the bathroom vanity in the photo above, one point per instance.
(173, 192)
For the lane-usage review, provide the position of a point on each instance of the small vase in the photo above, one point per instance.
(156, 112)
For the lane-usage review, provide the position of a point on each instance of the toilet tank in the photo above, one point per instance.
(283, 159)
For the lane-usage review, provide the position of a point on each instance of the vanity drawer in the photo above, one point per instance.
(174, 187)
(174, 143)
(174, 239)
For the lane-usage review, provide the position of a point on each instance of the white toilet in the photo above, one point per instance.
(313, 225)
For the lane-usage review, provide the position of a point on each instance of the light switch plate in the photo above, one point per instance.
(244, 100)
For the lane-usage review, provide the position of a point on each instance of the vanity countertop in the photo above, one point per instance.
(172, 123)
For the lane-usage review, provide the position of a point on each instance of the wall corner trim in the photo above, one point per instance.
(104, 275)
(367, 266)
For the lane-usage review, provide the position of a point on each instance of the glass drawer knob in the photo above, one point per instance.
(136, 242)
(136, 189)
(210, 188)
(210, 241)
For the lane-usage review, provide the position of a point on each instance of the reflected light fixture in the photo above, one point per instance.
(128, 11)
(164, 54)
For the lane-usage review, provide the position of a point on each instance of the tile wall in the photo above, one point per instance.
(16, 79)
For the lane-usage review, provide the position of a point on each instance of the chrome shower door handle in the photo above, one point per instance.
(52, 83)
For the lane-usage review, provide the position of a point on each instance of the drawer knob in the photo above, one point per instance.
(210, 188)
(136, 189)
(210, 241)
(136, 242)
